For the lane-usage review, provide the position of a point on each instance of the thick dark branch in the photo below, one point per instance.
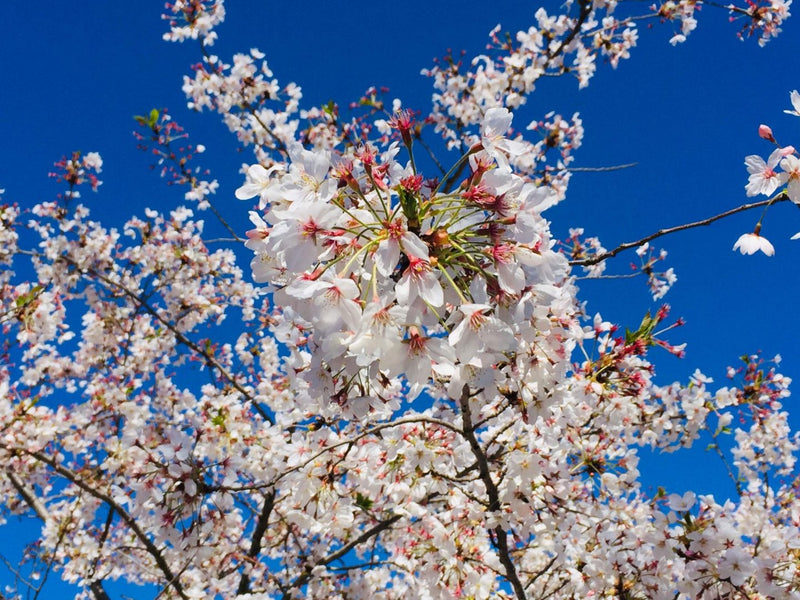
(782, 197)
(97, 590)
(500, 534)
(369, 533)
(255, 542)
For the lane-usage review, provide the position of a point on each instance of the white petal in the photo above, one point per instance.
(415, 246)
(496, 121)
(386, 257)
(431, 291)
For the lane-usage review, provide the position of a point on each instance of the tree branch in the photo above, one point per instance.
(181, 337)
(36, 505)
(255, 542)
(373, 531)
(97, 590)
(600, 169)
(28, 495)
(500, 534)
(363, 434)
(73, 477)
(583, 15)
(782, 197)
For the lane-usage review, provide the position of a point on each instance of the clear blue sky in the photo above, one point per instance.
(687, 115)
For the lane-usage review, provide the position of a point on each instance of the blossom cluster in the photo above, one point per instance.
(381, 273)
(781, 171)
(193, 19)
(77, 170)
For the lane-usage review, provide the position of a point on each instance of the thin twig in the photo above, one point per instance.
(583, 15)
(782, 197)
(600, 169)
(620, 276)
(372, 430)
(39, 508)
(223, 240)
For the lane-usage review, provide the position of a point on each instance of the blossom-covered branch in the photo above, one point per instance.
(410, 401)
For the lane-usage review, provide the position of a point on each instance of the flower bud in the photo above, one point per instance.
(765, 132)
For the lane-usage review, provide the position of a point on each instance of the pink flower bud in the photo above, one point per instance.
(765, 132)
(788, 151)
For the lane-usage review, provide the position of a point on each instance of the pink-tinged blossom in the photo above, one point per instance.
(418, 280)
(480, 331)
(257, 184)
(421, 356)
(763, 177)
(307, 178)
(396, 237)
(332, 302)
(795, 99)
(301, 233)
(495, 125)
(92, 160)
(379, 333)
(194, 19)
(750, 243)
(256, 237)
(510, 274)
(791, 167)
(682, 503)
(736, 565)
(266, 268)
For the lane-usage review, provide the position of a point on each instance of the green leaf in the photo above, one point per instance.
(645, 330)
(28, 297)
(409, 204)
(363, 501)
(329, 108)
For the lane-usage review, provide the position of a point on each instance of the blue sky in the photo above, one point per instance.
(688, 115)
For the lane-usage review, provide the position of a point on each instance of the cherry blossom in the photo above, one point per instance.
(750, 243)
(763, 177)
(495, 125)
(795, 98)
(791, 167)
